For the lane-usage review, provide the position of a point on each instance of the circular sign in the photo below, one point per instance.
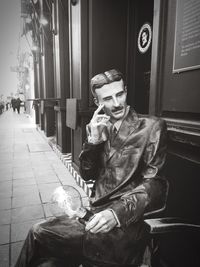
(144, 38)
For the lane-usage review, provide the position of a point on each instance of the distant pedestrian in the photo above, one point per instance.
(1, 107)
(13, 103)
(18, 104)
(7, 105)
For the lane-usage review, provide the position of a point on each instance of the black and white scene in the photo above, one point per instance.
(99, 133)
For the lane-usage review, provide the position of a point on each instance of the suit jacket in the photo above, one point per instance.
(127, 180)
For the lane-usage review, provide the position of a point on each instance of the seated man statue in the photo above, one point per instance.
(124, 154)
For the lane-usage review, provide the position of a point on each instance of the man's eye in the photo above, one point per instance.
(107, 98)
(120, 94)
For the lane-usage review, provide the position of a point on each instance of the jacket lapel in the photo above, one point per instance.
(128, 126)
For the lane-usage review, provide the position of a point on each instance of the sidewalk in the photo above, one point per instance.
(29, 172)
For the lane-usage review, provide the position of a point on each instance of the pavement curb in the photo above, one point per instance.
(66, 159)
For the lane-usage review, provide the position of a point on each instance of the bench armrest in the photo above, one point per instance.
(170, 224)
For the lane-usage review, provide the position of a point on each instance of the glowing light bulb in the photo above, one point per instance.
(66, 200)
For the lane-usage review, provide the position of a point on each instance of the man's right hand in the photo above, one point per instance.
(95, 129)
(102, 222)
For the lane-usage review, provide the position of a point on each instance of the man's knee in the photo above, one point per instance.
(36, 229)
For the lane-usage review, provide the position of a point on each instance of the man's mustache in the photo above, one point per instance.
(117, 109)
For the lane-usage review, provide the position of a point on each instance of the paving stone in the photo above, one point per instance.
(39, 147)
(15, 251)
(23, 174)
(5, 217)
(38, 155)
(20, 148)
(5, 189)
(46, 191)
(51, 156)
(7, 166)
(20, 164)
(23, 214)
(46, 195)
(27, 167)
(47, 179)
(5, 171)
(6, 193)
(44, 172)
(4, 234)
(20, 230)
(43, 167)
(4, 255)
(59, 168)
(5, 185)
(26, 200)
(19, 161)
(47, 187)
(47, 210)
(5, 177)
(24, 182)
(5, 160)
(24, 190)
(71, 182)
(5, 203)
(19, 155)
(63, 175)
(41, 164)
(17, 145)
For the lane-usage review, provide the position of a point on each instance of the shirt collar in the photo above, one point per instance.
(118, 123)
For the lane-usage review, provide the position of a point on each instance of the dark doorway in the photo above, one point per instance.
(139, 61)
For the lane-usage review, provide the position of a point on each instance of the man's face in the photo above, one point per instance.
(113, 97)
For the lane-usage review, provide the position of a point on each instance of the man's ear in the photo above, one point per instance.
(96, 101)
(125, 88)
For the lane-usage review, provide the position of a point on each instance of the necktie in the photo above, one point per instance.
(113, 133)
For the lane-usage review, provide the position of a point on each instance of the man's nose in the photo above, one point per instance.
(115, 102)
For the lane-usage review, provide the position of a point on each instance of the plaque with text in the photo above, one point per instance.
(187, 36)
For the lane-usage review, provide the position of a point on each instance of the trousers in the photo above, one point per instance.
(57, 241)
(63, 242)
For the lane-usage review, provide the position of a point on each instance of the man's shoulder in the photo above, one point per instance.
(150, 118)
(152, 122)
(147, 120)
(147, 117)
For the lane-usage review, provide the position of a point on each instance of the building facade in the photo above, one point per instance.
(156, 44)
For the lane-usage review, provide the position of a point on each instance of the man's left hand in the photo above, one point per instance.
(101, 222)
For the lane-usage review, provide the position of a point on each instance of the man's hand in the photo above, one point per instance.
(101, 222)
(96, 126)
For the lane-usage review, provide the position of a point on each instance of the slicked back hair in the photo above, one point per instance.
(106, 77)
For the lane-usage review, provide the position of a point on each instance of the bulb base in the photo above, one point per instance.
(86, 217)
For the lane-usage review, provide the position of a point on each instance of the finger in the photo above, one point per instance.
(101, 223)
(100, 228)
(94, 221)
(88, 130)
(99, 121)
(103, 117)
(100, 107)
(103, 120)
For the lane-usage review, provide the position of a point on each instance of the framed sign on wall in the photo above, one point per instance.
(187, 36)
